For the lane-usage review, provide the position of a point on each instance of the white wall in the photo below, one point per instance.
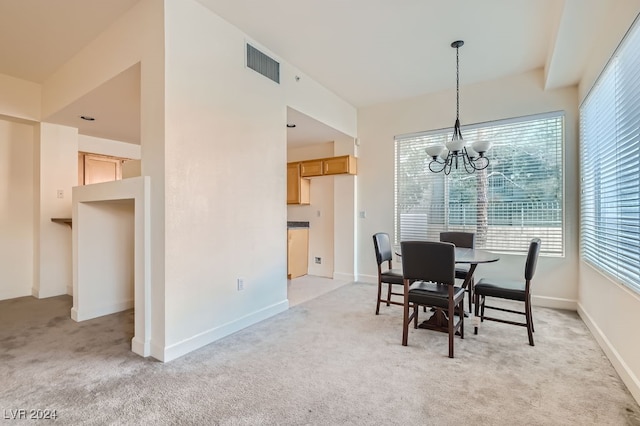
(609, 309)
(105, 277)
(56, 169)
(555, 283)
(225, 165)
(321, 200)
(16, 209)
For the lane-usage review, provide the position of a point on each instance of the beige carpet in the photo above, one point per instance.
(328, 361)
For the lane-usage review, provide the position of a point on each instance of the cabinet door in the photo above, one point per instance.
(311, 168)
(339, 165)
(293, 184)
(298, 189)
(297, 252)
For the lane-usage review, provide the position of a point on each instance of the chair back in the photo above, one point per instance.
(382, 245)
(532, 259)
(460, 239)
(429, 261)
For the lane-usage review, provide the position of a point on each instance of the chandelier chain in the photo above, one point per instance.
(457, 84)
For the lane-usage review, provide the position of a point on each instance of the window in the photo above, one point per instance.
(518, 197)
(610, 167)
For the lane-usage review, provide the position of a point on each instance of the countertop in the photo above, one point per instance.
(293, 224)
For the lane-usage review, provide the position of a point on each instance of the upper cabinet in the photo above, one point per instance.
(298, 184)
(345, 164)
(298, 188)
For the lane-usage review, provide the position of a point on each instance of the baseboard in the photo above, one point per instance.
(42, 294)
(140, 347)
(626, 374)
(190, 344)
(87, 314)
(371, 279)
(343, 276)
(554, 302)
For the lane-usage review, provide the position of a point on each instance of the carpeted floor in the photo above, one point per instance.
(328, 361)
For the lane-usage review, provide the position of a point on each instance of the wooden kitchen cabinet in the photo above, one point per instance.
(345, 164)
(311, 168)
(297, 252)
(298, 188)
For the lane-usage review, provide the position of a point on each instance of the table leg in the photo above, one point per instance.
(467, 284)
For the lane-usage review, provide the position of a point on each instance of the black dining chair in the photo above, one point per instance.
(386, 275)
(517, 291)
(465, 240)
(428, 269)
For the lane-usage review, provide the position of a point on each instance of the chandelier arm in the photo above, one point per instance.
(431, 164)
(468, 163)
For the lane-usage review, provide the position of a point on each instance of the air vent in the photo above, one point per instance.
(263, 64)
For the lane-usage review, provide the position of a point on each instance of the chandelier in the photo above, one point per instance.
(456, 152)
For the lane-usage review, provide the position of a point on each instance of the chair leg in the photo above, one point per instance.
(476, 301)
(471, 293)
(388, 293)
(461, 308)
(415, 315)
(527, 308)
(379, 296)
(405, 323)
(450, 326)
(531, 318)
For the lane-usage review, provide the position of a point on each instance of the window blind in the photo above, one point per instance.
(610, 166)
(517, 198)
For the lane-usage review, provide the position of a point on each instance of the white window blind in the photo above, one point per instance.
(610, 166)
(517, 198)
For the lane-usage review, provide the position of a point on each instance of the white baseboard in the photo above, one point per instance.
(87, 314)
(343, 277)
(190, 344)
(626, 374)
(43, 294)
(371, 279)
(554, 302)
(140, 347)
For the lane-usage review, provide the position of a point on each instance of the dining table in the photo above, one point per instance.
(464, 256)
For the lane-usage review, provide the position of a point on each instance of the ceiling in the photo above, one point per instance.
(365, 51)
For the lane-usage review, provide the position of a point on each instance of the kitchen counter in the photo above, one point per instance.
(293, 224)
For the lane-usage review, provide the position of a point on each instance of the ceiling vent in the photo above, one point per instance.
(263, 64)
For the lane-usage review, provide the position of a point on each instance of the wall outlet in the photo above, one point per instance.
(240, 284)
(362, 214)
(60, 193)
(318, 260)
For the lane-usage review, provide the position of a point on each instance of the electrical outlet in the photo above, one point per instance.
(240, 284)
(363, 214)
(60, 193)
(318, 260)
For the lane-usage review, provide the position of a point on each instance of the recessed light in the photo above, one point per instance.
(87, 117)
(291, 126)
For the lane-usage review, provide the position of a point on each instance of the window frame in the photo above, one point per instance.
(559, 249)
(604, 242)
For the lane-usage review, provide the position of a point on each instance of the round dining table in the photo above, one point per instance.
(469, 256)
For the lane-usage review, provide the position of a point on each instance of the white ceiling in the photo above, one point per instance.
(365, 51)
